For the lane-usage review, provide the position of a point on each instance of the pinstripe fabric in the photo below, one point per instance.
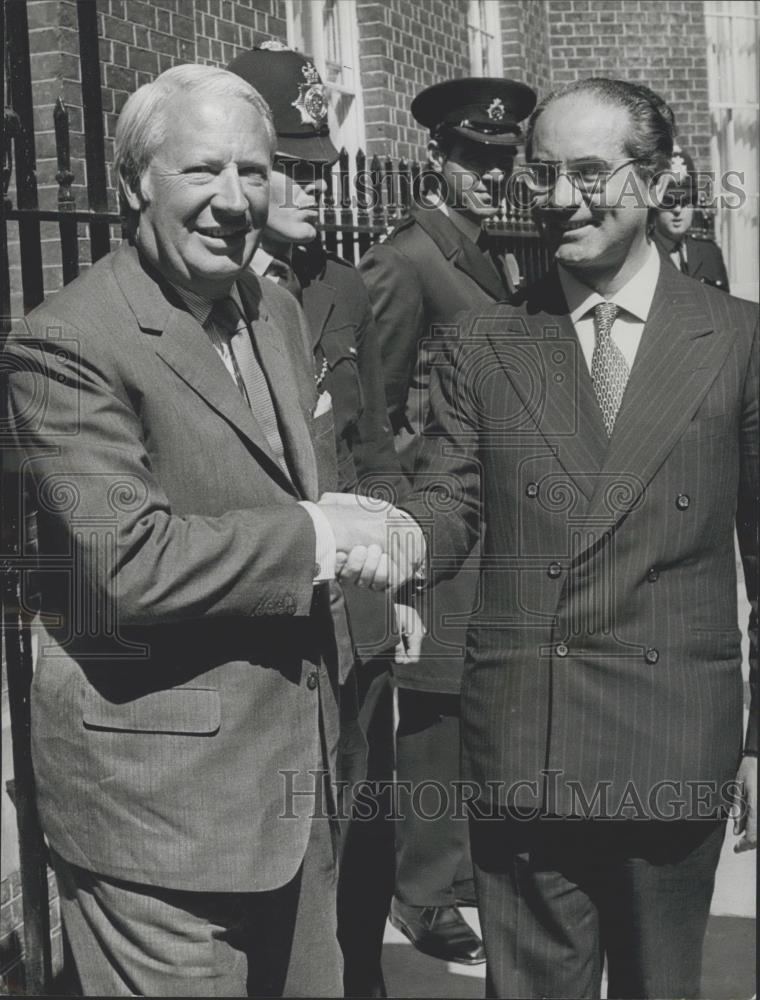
(139, 731)
(649, 686)
(249, 375)
(603, 668)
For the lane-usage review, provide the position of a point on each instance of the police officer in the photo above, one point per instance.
(433, 265)
(697, 256)
(347, 365)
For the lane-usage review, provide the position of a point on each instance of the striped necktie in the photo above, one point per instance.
(609, 369)
(249, 375)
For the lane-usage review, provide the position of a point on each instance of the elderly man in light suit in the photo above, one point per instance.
(185, 692)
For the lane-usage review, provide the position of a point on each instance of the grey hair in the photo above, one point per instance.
(142, 123)
(650, 138)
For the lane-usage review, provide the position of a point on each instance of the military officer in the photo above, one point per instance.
(347, 364)
(696, 256)
(435, 264)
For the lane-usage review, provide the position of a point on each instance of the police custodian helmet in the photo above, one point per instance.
(290, 84)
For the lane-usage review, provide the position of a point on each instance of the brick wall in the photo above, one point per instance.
(658, 42)
(11, 933)
(404, 47)
(525, 38)
(138, 40)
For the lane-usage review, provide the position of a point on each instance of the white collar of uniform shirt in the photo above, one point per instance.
(261, 261)
(634, 300)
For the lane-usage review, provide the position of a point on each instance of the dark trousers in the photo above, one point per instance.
(433, 866)
(556, 896)
(129, 939)
(367, 864)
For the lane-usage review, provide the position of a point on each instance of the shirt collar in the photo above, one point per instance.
(635, 297)
(261, 261)
(200, 307)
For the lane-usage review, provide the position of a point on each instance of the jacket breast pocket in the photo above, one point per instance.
(175, 711)
(340, 353)
(702, 428)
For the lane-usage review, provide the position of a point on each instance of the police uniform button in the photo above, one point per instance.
(531, 490)
(554, 570)
(312, 681)
(682, 501)
(561, 649)
(651, 655)
(653, 575)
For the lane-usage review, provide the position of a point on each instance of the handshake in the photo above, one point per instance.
(377, 545)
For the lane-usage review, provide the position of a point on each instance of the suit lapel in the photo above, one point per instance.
(182, 343)
(677, 361)
(550, 376)
(288, 398)
(694, 257)
(463, 253)
(318, 302)
(478, 266)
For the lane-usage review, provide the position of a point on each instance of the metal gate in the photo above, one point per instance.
(353, 216)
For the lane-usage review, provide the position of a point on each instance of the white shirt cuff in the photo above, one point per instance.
(326, 550)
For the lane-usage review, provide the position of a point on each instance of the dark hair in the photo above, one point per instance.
(650, 138)
(661, 104)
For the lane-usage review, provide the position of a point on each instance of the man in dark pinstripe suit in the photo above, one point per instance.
(601, 438)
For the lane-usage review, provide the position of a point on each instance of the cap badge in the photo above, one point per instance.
(311, 103)
(272, 45)
(678, 168)
(496, 110)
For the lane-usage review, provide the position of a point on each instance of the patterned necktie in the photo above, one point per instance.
(249, 375)
(609, 369)
(286, 277)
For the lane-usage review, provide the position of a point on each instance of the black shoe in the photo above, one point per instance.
(439, 931)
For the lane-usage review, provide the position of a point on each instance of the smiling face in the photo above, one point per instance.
(601, 234)
(204, 197)
(294, 190)
(475, 175)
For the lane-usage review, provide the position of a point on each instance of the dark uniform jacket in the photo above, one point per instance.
(347, 365)
(419, 279)
(704, 261)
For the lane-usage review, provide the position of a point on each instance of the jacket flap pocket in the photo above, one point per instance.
(181, 711)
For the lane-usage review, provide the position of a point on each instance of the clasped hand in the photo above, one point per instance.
(377, 545)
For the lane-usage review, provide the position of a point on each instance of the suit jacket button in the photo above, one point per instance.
(312, 681)
(653, 575)
(561, 649)
(554, 570)
(531, 490)
(651, 655)
(682, 501)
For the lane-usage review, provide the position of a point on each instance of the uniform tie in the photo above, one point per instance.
(683, 262)
(249, 375)
(286, 277)
(609, 369)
